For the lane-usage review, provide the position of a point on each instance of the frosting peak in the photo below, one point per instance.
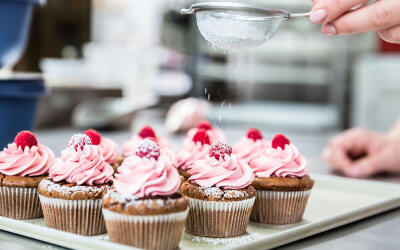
(227, 172)
(86, 166)
(110, 150)
(248, 149)
(287, 162)
(30, 161)
(190, 153)
(147, 177)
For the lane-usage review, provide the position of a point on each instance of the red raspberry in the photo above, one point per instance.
(79, 141)
(25, 139)
(280, 141)
(94, 135)
(148, 148)
(206, 125)
(202, 137)
(254, 134)
(147, 131)
(219, 149)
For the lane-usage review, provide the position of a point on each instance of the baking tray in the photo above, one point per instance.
(334, 201)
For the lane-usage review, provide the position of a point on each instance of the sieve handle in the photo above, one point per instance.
(300, 14)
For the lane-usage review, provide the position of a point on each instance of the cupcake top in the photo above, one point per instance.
(194, 150)
(215, 134)
(221, 169)
(148, 173)
(25, 157)
(108, 146)
(251, 146)
(131, 145)
(281, 160)
(81, 163)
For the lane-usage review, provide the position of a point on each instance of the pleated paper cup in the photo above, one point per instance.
(279, 207)
(20, 203)
(75, 216)
(218, 218)
(156, 232)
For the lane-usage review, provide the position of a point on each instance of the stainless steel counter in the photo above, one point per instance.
(378, 232)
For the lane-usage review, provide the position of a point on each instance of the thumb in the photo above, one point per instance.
(365, 167)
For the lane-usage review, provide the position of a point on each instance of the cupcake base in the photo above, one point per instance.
(75, 216)
(156, 232)
(218, 218)
(19, 197)
(279, 207)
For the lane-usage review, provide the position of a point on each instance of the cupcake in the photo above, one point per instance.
(144, 209)
(131, 145)
(192, 151)
(23, 164)
(215, 134)
(71, 196)
(251, 146)
(110, 148)
(220, 194)
(282, 184)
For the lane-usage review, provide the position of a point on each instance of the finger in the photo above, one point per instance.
(366, 167)
(391, 35)
(376, 16)
(337, 156)
(326, 11)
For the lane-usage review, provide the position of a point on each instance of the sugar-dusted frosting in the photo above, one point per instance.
(214, 133)
(248, 149)
(147, 177)
(190, 153)
(110, 150)
(33, 161)
(287, 162)
(129, 147)
(227, 172)
(86, 166)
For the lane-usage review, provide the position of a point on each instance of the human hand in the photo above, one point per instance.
(340, 17)
(362, 153)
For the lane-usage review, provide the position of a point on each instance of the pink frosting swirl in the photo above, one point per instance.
(215, 134)
(279, 162)
(79, 167)
(247, 149)
(130, 146)
(190, 153)
(223, 173)
(147, 177)
(33, 161)
(110, 150)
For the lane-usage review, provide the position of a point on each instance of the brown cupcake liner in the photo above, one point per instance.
(20, 203)
(147, 231)
(279, 207)
(218, 218)
(75, 216)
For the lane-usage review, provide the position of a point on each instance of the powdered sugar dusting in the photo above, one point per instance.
(148, 148)
(234, 194)
(76, 190)
(230, 242)
(78, 141)
(213, 192)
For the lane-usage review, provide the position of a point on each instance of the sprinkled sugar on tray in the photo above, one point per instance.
(334, 202)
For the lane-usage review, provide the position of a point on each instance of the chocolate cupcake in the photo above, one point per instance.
(110, 148)
(71, 196)
(220, 194)
(23, 164)
(282, 184)
(144, 209)
(251, 146)
(192, 151)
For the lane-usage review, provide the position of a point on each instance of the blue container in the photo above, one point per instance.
(19, 97)
(15, 18)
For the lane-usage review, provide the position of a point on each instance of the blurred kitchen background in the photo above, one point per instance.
(118, 64)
